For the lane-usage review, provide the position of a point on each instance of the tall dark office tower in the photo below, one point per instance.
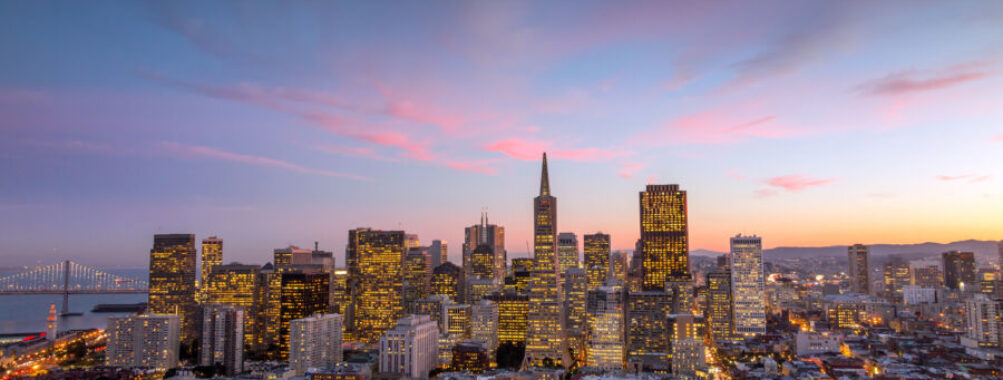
(859, 270)
(664, 237)
(172, 281)
(301, 294)
(597, 262)
(212, 255)
(959, 269)
(377, 277)
(719, 306)
(485, 234)
(545, 339)
(417, 275)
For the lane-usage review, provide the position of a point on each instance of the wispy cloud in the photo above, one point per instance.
(998, 138)
(186, 151)
(797, 182)
(627, 169)
(913, 81)
(765, 193)
(355, 151)
(713, 127)
(529, 150)
(970, 178)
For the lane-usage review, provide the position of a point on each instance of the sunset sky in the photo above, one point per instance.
(268, 124)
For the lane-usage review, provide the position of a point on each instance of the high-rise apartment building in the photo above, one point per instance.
(606, 342)
(172, 281)
(575, 287)
(959, 269)
(597, 259)
(378, 281)
(567, 251)
(983, 318)
(545, 340)
(212, 255)
(410, 348)
(719, 306)
(223, 338)
(315, 342)
(664, 236)
(146, 340)
(491, 262)
(859, 269)
(748, 286)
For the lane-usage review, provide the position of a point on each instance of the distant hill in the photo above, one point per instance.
(985, 250)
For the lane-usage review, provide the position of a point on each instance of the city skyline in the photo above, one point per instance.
(106, 142)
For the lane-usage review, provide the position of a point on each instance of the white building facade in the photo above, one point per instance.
(747, 285)
(315, 342)
(147, 340)
(411, 348)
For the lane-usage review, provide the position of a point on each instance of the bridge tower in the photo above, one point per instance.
(66, 289)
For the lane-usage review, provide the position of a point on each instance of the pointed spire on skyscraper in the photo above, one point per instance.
(544, 178)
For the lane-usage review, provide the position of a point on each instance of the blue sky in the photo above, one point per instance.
(809, 123)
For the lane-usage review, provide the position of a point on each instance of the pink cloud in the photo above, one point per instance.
(185, 150)
(627, 169)
(797, 182)
(998, 138)
(765, 193)
(970, 178)
(912, 81)
(733, 173)
(530, 150)
(714, 127)
(354, 151)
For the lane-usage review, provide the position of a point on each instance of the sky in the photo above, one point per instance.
(274, 123)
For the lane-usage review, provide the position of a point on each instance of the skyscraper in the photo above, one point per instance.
(606, 343)
(575, 287)
(301, 294)
(664, 237)
(379, 282)
(484, 326)
(686, 333)
(859, 271)
(597, 259)
(896, 276)
(292, 255)
(512, 316)
(172, 281)
(223, 337)
(719, 306)
(212, 255)
(959, 269)
(567, 251)
(236, 285)
(493, 237)
(747, 285)
(417, 275)
(929, 276)
(439, 251)
(618, 266)
(315, 342)
(647, 339)
(545, 339)
(447, 279)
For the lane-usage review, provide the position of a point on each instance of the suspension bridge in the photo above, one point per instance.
(67, 278)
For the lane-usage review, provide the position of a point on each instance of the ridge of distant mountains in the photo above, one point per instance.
(985, 250)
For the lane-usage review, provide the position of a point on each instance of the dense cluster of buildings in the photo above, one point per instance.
(400, 309)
